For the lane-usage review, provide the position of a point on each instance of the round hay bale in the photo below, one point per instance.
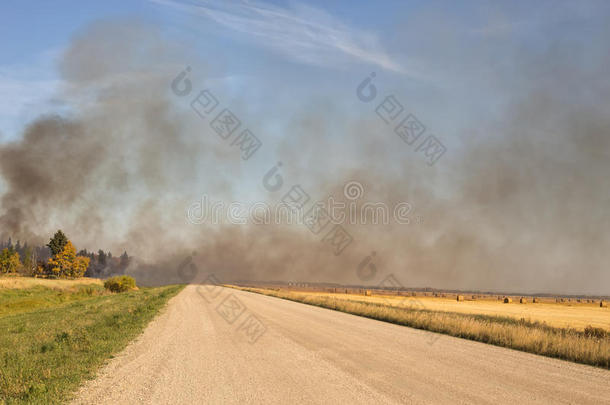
(523, 300)
(367, 293)
(460, 298)
(603, 304)
(536, 300)
(508, 300)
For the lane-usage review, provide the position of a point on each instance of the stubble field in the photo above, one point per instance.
(573, 315)
(573, 331)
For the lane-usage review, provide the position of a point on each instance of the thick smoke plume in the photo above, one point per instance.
(520, 204)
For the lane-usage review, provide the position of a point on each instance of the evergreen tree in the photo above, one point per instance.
(101, 258)
(124, 261)
(57, 242)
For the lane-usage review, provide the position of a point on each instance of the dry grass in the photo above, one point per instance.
(561, 315)
(520, 334)
(17, 282)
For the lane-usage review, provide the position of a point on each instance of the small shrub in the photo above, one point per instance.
(591, 331)
(88, 290)
(120, 283)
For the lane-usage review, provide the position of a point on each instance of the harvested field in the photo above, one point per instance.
(589, 347)
(562, 315)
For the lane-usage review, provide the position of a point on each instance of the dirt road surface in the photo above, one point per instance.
(214, 345)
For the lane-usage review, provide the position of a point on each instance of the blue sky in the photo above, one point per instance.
(331, 44)
(328, 43)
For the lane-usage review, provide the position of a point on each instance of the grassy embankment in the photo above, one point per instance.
(55, 333)
(590, 346)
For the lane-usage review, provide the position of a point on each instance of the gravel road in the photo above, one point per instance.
(214, 345)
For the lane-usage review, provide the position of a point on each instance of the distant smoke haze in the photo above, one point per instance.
(520, 203)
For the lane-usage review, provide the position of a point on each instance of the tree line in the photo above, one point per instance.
(59, 258)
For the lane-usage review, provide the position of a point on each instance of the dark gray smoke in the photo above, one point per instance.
(520, 204)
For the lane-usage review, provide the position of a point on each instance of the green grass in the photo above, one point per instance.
(14, 301)
(51, 340)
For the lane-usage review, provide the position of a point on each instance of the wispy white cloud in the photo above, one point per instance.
(303, 33)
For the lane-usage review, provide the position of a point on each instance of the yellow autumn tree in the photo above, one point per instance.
(80, 266)
(67, 264)
(9, 261)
